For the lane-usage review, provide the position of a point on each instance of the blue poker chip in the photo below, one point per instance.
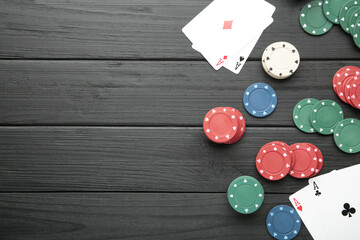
(283, 222)
(260, 100)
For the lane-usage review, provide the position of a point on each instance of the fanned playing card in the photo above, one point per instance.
(337, 199)
(303, 202)
(226, 26)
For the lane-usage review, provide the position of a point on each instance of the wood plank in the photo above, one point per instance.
(142, 159)
(137, 216)
(129, 29)
(148, 93)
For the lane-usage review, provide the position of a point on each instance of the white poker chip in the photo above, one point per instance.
(281, 60)
(265, 68)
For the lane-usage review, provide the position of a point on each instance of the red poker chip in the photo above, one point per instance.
(355, 93)
(305, 160)
(348, 83)
(241, 123)
(348, 72)
(273, 162)
(320, 159)
(285, 147)
(220, 125)
(337, 76)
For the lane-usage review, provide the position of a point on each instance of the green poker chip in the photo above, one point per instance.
(353, 19)
(345, 13)
(312, 19)
(356, 33)
(301, 114)
(325, 115)
(332, 8)
(346, 135)
(245, 194)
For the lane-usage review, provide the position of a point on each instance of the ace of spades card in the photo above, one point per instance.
(337, 199)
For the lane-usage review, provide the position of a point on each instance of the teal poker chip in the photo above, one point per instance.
(347, 135)
(356, 33)
(301, 114)
(245, 194)
(332, 8)
(353, 19)
(313, 20)
(325, 116)
(345, 12)
(283, 222)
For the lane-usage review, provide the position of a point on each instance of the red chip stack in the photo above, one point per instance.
(224, 125)
(346, 84)
(277, 159)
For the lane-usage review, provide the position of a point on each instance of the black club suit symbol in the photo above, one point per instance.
(348, 210)
(317, 193)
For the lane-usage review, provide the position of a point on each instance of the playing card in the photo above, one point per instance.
(337, 197)
(226, 26)
(303, 202)
(237, 61)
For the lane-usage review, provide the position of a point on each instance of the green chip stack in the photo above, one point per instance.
(317, 17)
(326, 117)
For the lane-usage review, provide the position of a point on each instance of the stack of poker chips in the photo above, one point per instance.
(224, 125)
(326, 117)
(276, 159)
(311, 115)
(318, 17)
(280, 60)
(346, 84)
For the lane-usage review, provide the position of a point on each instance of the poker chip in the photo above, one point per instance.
(245, 194)
(332, 8)
(301, 114)
(222, 125)
(349, 83)
(273, 162)
(313, 20)
(285, 147)
(305, 160)
(260, 100)
(325, 115)
(353, 19)
(320, 159)
(346, 135)
(354, 92)
(242, 125)
(356, 33)
(345, 12)
(281, 60)
(317, 17)
(341, 78)
(283, 222)
(337, 75)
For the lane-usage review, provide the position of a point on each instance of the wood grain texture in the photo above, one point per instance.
(108, 216)
(148, 93)
(143, 159)
(140, 29)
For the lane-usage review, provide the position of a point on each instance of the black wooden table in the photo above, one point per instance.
(101, 107)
